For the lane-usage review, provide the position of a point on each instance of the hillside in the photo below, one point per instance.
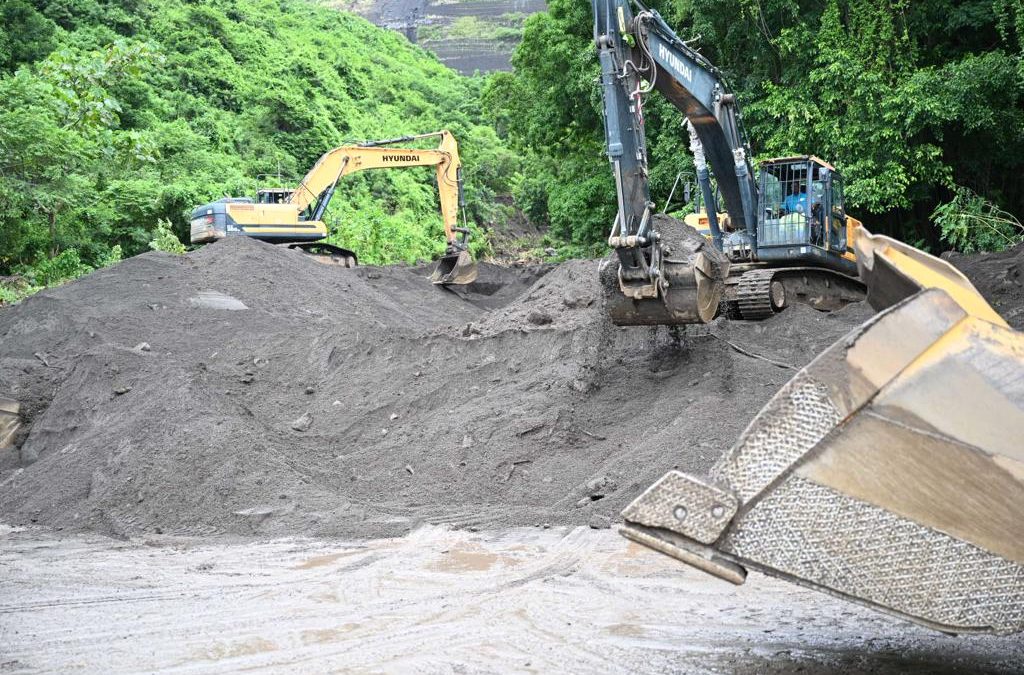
(467, 35)
(113, 118)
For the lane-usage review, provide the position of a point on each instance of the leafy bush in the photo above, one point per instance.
(63, 267)
(971, 223)
(165, 240)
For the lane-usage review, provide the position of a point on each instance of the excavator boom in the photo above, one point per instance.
(298, 218)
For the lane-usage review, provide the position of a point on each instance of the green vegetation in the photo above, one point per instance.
(165, 240)
(472, 27)
(972, 223)
(918, 103)
(506, 28)
(117, 116)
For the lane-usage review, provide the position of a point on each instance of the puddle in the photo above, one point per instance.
(215, 300)
(464, 560)
(324, 560)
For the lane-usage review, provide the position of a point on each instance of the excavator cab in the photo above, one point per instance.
(273, 195)
(801, 205)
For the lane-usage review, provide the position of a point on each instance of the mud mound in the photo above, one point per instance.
(247, 390)
(1000, 278)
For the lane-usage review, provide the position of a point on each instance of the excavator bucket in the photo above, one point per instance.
(889, 471)
(694, 281)
(455, 268)
(9, 420)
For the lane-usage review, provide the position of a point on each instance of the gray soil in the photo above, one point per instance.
(1000, 278)
(307, 413)
(249, 391)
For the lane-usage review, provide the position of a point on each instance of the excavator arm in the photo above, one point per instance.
(639, 53)
(317, 187)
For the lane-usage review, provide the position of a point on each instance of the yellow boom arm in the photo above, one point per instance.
(348, 159)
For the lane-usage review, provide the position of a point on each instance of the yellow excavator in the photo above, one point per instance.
(890, 470)
(295, 216)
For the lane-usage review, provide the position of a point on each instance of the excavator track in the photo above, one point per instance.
(328, 254)
(759, 295)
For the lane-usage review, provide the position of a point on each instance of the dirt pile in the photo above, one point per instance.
(245, 389)
(1000, 278)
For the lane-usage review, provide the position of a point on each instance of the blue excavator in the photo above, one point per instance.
(890, 470)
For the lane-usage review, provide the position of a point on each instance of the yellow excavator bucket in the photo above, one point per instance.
(455, 268)
(9, 420)
(889, 471)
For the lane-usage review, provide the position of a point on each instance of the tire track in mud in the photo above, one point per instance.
(435, 600)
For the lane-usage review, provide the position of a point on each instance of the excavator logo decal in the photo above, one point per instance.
(400, 158)
(675, 62)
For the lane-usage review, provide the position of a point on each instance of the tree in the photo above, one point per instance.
(909, 99)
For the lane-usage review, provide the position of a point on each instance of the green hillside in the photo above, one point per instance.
(117, 115)
(920, 104)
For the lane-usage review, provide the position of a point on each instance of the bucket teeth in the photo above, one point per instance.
(868, 477)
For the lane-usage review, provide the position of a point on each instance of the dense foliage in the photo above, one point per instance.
(918, 103)
(116, 115)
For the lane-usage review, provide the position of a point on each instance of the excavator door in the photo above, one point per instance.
(889, 471)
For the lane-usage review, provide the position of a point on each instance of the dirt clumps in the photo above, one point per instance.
(279, 396)
(1000, 278)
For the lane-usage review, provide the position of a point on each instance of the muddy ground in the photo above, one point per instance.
(438, 600)
(247, 390)
(1000, 278)
(434, 458)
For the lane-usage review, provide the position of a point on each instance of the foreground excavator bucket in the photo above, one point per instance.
(455, 268)
(889, 471)
(9, 420)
